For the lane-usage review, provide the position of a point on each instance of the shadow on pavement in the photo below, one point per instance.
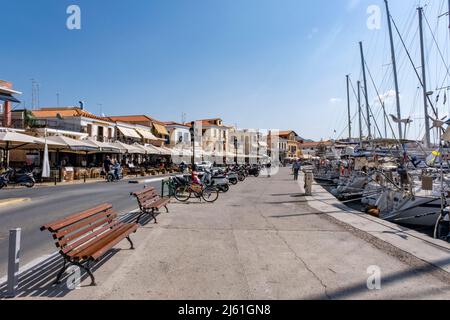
(386, 281)
(38, 281)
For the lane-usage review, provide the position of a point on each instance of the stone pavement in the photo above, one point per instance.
(260, 241)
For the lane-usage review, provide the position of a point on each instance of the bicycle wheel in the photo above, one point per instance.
(182, 193)
(210, 194)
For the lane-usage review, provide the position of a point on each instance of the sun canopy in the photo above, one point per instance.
(128, 148)
(128, 132)
(103, 146)
(160, 129)
(13, 139)
(152, 149)
(146, 134)
(8, 97)
(72, 144)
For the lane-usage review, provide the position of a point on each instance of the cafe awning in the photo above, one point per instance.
(152, 149)
(8, 97)
(128, 148)
(165, 151)
(103, 146)
(128, 132)
(160, 129)
(146, 134)
(72, 144)
(12, 139)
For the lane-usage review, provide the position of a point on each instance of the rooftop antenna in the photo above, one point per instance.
(101, 109)
(183, 116)
(33, 99)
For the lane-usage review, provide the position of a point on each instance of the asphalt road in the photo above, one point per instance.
(50, 203)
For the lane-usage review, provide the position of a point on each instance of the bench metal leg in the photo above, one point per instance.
(131, 243)
(88, 270)
(61, 272)
(153, 215)
(167, 209)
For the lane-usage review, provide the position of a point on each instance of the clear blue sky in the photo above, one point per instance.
(255, 63)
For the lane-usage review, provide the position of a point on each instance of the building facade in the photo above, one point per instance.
(75, 119)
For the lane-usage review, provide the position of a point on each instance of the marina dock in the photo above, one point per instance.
(266, 240)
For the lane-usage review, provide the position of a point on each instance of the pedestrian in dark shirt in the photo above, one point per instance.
(296, 167)
(107, 165)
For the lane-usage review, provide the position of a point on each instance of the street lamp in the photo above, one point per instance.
(192, 131)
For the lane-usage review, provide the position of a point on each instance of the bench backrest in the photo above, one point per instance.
(80, 228)
(145, 196)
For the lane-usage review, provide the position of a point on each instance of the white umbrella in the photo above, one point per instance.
(46, 163)
(72, 144)
(10, 140)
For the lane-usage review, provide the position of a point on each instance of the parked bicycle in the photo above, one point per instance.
(185, 190)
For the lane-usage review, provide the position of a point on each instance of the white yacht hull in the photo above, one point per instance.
(422, 211)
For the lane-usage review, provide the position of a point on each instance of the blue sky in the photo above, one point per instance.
(256, 63)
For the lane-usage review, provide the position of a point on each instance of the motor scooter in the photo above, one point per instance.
(12, 177)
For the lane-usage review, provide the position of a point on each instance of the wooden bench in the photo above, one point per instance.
(150, 202)
(85, 237)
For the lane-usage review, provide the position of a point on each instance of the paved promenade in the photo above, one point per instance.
(262, 240)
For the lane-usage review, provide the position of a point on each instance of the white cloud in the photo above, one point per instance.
(388, 95)
(335, 100)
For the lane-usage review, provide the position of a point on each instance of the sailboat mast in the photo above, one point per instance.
(366, 95)
(394, 66)
(360, 116)
(424, 80)
(348, 109)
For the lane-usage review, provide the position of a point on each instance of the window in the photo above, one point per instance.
(89, 130)
(100, 134)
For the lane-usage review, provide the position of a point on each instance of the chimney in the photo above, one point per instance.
(7, 114)
(6, 105)
(81, 105)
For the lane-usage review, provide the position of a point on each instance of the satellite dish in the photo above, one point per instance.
(59, 116)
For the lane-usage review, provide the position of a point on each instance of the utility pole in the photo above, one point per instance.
(394, 66)
(424, 80)
(360, 116)
(348, 107)
(366, 94)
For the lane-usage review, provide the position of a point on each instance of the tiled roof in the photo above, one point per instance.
(65, 113)
(173, 123)
(134, 118)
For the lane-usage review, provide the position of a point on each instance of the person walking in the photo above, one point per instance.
(296, 167)
(269, 167)
(107, 165)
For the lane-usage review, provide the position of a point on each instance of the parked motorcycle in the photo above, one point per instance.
(233, 177)
(254, 171)
(219, 181)
(12, 177)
